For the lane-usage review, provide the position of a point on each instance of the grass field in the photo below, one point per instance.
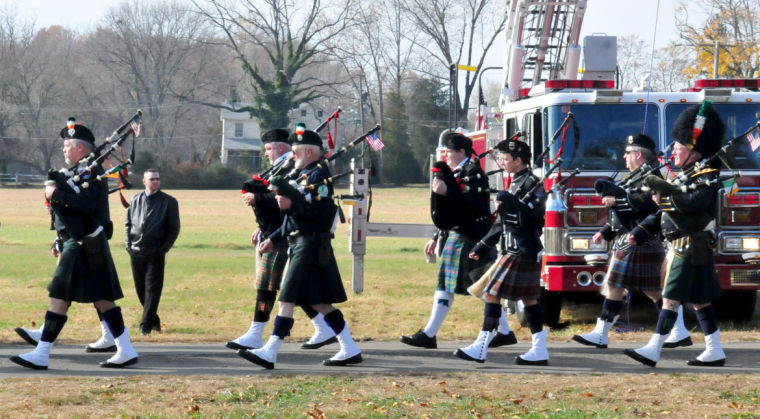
(208, 297)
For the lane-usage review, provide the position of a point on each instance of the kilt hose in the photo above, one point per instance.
(516, 278)
(270, 268)
(637, 268)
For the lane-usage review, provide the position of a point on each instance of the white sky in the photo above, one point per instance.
(612, 17)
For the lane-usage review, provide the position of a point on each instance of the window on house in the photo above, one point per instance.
(238, 129)
(319, 114)
(303, 113)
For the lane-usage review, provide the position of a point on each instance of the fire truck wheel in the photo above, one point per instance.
(736, 305)
(551, 303)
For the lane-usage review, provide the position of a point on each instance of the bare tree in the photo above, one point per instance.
(152, 53)
(731, 30)
(633, 56)
(670, 69)
(295, 39)
(457, 32)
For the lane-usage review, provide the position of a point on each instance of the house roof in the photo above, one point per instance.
(242, 144)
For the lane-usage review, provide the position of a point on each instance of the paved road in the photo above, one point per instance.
(379, 358)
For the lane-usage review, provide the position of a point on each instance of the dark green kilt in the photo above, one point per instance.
(73, 279)
(308, 279)
(687, 283)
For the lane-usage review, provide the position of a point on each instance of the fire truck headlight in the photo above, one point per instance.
(733, 243)
(751, 243)
(579, 244)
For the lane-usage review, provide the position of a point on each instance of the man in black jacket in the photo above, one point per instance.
(152, 226)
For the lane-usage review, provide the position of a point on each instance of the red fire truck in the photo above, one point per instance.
(541, 88)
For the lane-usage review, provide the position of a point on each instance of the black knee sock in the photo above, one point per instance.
(53, 325)
(535, 317)
(264, 304)
(282, 326)
(666, 321)
(100, 315)
(309, 310)
(115, 321)
(334, 319)
(708, 319)
(491, 315)
(610, 309)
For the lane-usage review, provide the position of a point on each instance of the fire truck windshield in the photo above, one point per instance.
(595, 140)
(738, 117)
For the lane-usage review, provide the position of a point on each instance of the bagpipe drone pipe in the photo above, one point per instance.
(76, 177)
(259, 182)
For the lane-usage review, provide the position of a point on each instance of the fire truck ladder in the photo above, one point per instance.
(542, 39)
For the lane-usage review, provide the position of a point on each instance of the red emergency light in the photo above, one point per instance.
(580, 84)
(730, 83)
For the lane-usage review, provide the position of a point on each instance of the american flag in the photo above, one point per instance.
(754, 141)
(135, 128)
(375, 142)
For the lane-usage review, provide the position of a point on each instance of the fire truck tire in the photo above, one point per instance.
(551, 303)
(736, 305)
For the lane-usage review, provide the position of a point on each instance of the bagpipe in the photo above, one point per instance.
(74, 179)
(698, 175)
(324, 163)
(445, 216)
(259, 182)
(280, 185)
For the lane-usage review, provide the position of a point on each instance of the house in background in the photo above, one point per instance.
(241, 135)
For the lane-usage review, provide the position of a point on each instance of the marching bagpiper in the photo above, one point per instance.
(687, 210)
(464, 203)
(633, 267)
(516, 275)
(272, 247)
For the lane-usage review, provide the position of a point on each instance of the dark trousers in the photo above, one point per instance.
(148, 274)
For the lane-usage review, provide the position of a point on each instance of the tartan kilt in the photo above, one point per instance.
(456, 265)
(516, 278)
(270, 267)
(687, 283)
(637, 268)
(306, 282)
(74, 281)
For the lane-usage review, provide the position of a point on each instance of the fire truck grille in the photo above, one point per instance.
(553, 239)
(745, 277)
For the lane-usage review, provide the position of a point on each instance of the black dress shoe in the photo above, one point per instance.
(521, 361)
(501, 339)
(90, 349)
(683, 342)
(24, 363)
(235, 345)
(461, 354)
(356, 359)
(698, 363)
(106, 364)
(318, 345)
(420, 340)
(580, 339)
(21, 332)
(644, 360)
(250, 356)
(144, 331)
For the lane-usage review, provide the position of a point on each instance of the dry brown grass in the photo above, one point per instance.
(446, 395)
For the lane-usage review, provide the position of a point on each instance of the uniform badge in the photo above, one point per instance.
(72, 131)
(323, 191)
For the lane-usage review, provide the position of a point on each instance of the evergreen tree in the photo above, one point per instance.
(429, 112)
(399, 165)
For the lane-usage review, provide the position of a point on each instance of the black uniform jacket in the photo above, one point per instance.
(79, 214)
(519, 224)
(632, 206)
(152, 223)
(268, 215)
(470, 200)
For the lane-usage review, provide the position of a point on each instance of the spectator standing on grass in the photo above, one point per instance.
(152, 226)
